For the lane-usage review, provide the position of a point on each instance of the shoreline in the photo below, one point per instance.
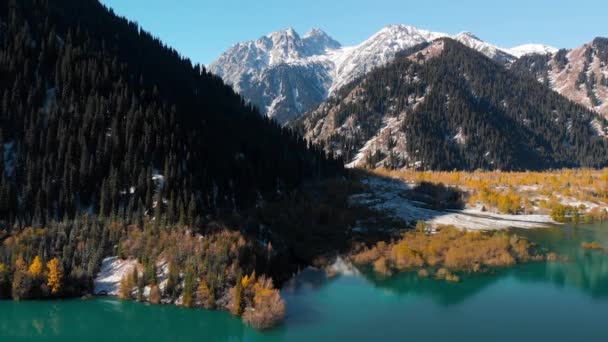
(387, 195)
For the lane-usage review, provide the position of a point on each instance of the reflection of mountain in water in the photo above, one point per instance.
(585, 270)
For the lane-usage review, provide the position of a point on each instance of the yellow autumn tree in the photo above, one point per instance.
(55, 269)
(36, 267)
(206, 296)
(268, 306)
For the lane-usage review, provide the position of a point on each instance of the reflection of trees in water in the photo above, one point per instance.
(111, 318)
(585, 270)
(302, 312)
(443, 292)
(308, 279)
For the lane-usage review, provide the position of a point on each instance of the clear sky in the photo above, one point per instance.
(203, 29)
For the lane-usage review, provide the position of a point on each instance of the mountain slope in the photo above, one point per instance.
(531, 49)
(279, 72)
(450, 107)
(493, 52)
(90, 123)
(579, 74)
(264, 71)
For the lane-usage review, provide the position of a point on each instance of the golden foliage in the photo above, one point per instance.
(521, 192)
(247, 280)
(205, 295)
(35, 268)
(55, 271)
(127, 283)
(236, 304)
(381, 267)
(268, 307)
(450, 249)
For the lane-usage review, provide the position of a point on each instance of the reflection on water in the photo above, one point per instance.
(108, 319)
(583, 269)
(562, 301)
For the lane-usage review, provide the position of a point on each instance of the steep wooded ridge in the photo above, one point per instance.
(580, 74)
(114, 145)
(449, 107)
(97, 115)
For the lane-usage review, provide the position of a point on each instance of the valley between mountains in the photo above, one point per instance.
(127, 169)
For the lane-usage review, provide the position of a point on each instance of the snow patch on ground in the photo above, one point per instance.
(460, 138)
(342, 267)
(390, 125)
(598, 128)
(532, 49)
(112, 271)
(388, 195)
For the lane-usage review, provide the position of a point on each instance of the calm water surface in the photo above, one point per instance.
(565, 301)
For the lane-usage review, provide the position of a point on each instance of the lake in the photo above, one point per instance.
(561, 301)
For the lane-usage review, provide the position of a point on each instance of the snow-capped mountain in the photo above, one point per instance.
(580, 74)
(445, 106)
(353, 62)
(491, 51)
(286, 75)
(532, 49)
(283, 74)
(247, 61)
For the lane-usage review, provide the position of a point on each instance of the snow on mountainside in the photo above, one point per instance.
(380, 49)
(580, 74)
(248, 60)
(286, 75)
(445, 106)
(491, 51)
(532, 49)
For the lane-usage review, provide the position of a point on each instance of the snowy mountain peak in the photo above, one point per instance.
(399, 32)
(286, 75)
(288, 32)
(316, 32)
(317, 42)
(467, 35)
(379, 49)
(492, 51)
(532, 49)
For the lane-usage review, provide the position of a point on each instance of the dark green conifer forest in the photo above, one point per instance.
(110, 139)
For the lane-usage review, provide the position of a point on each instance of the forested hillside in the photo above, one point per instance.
(114, 144)
(580, 74)
(449, 107)
(97, 115)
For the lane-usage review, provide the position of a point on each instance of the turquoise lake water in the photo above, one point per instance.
(562, 301)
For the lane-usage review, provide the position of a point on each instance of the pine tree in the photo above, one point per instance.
(238, 303)
(189, 286)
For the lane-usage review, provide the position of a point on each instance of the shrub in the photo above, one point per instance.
(381, 267)
(448, 249)
(268, 307)
(154, 294)
(423, 273)
(438, 196)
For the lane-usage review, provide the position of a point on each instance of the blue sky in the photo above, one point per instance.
(203, 29)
